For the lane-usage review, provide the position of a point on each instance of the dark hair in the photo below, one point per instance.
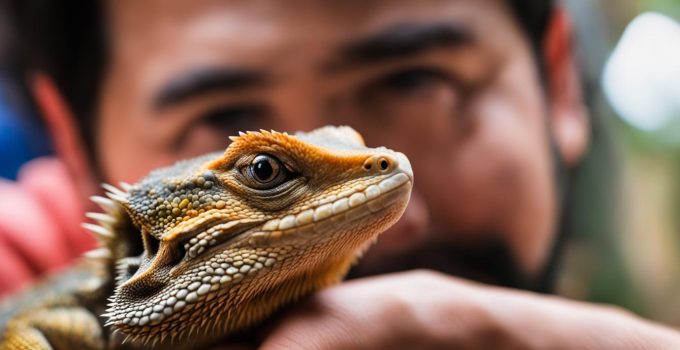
(533, 16)
(67, 40)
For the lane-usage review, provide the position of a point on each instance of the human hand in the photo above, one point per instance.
(427, 310)
(40, 218)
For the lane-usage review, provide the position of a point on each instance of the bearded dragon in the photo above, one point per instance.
(213, 245)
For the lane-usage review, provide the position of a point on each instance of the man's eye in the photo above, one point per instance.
(414, 92)
(235, 118)
(266, 172)
(412, 81)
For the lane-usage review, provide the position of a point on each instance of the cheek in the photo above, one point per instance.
(124, 154)
(497, 181)
(126, 146)
(499, 174)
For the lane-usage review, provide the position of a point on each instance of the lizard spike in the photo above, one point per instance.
(118, 198)
(99, 253)
(105, 203)
(126, 186)
(114, 189)
(241, 133)
(162, 337)
(154, 342)
(233, 138)
(101, 217)
(97, 230)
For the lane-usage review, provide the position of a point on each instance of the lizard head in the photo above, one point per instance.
(218, 242)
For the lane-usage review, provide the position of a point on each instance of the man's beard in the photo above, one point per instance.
(490, 263)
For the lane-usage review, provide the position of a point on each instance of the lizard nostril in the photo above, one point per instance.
(384, 164)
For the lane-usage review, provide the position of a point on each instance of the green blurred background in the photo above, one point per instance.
(624, 247)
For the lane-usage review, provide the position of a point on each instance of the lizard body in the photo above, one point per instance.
(212, 245)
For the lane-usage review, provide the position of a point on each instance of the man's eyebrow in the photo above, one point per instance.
(200, 81)
(403, 40)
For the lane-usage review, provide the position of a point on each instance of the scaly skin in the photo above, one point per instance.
(213, 245)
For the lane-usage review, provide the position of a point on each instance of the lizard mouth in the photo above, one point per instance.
(334, 214)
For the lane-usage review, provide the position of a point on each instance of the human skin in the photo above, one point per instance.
(436, 311)
(467, 107)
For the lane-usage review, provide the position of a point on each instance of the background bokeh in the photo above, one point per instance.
(624, 227)
(624, 246)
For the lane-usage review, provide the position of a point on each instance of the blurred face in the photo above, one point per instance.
(452, 84)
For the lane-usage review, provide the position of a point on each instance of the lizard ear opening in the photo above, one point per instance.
(151, 244)
(177, 254)
(130, 242)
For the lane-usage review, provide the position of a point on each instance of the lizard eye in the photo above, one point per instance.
(265, 172)
(265, 168)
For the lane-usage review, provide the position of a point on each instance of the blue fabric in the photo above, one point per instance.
(21, 139)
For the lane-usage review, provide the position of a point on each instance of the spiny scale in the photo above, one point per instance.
(117, 197)
(99, 253)
(97, 230)
(114, 190)
(101, 217)
(126, 186)
(105, 203)
(115, 193)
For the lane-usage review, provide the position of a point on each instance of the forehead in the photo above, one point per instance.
(269, 32)
(264, 18)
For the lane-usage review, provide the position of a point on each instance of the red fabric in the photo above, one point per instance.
(40, 218)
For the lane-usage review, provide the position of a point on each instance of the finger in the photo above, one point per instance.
(27, 228)
(15, 273)
(47, 180)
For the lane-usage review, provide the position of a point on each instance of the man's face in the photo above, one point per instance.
(452, 84)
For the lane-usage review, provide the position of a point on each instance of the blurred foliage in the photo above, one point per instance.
(624, 247)
(668, 7)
